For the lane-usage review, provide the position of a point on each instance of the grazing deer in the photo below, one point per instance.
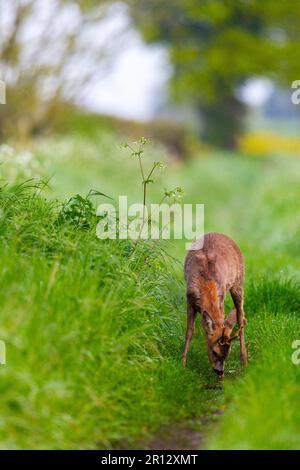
(213, 266)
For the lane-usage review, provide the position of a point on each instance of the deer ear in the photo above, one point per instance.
(207, 322)
(231, 319)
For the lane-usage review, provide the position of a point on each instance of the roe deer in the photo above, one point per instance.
(213, 266)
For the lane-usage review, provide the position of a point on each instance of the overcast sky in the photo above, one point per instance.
(135, 86)
(136, 83)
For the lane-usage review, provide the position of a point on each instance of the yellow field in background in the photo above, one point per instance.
(268, 143)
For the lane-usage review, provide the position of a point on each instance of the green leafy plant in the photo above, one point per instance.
(137, 150)
(174, 194)
(80, 211)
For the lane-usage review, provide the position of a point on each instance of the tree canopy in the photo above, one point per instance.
(50, 51)
(216, 45)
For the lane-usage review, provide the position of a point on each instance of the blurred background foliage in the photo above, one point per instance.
(47, 58)
(214, 48)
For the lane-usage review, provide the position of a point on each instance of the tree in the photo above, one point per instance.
(50, 52)
(216, 45)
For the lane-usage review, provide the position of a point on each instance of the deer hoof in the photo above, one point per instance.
(183, 361)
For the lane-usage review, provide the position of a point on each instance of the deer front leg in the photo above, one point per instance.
(237, 295)
(191, 316)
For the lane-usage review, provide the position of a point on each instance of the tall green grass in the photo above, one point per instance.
(261, 407)
(94, 335)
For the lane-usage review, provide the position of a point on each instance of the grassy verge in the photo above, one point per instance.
(262, 406)
(93, 336)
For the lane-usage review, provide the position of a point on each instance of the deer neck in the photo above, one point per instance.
(210, 296)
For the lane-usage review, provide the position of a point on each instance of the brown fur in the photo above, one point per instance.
(213, 266)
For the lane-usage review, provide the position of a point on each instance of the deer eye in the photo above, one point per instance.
(215, 355)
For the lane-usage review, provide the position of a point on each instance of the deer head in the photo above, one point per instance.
(218, 339)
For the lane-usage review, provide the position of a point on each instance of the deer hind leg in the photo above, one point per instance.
(237, 294)
(191, 316)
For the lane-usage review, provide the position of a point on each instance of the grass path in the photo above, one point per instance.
(255, 408)
(94, 336)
